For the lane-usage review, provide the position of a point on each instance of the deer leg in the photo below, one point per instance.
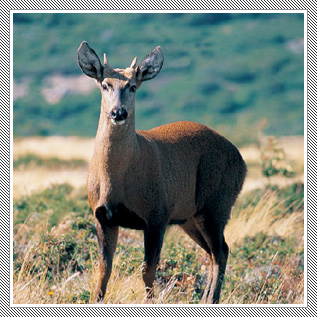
(191, 229)
(153, 241)
(213, 235)
(221, 261)
(107, 239)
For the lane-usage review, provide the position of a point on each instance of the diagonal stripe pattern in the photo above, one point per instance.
(155, 311)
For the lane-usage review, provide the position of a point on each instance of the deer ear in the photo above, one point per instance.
(89, 62)
(150, 65)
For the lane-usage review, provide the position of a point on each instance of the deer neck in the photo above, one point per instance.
(116, 146)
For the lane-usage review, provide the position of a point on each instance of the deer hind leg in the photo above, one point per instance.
(192, 230)
(107, 239)
(212, 232)
(153, 241)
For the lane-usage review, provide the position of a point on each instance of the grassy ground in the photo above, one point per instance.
(55, 248)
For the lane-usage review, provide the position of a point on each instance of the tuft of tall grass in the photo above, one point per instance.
(271, 211)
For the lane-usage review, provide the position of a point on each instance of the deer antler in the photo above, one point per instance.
(107, 68)
(105, 61)
(133, 63)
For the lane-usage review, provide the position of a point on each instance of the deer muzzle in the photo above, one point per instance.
(118, 115)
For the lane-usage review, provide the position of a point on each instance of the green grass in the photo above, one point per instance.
(55, 253)
(32, 160)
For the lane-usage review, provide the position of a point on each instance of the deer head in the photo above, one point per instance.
(118, 86)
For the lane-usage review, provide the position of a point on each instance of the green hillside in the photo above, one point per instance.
(228, 71)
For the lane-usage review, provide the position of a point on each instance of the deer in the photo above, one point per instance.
(182, 173)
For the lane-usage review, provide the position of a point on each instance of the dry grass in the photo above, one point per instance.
(54, 146)
(26, 182)
(68, 148)
(265, 217)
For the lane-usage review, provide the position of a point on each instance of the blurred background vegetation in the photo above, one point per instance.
(225, 70)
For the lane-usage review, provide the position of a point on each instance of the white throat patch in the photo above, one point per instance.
(114, 122)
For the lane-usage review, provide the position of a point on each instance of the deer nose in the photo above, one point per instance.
(118, 114)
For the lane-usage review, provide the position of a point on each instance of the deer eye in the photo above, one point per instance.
(104, 87)
(133, 88)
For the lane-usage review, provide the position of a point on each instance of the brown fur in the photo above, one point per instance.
(180, 173)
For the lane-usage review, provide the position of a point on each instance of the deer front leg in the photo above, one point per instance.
(107, 239)
(153, 240)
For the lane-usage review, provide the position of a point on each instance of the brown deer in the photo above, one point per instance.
(180, 173)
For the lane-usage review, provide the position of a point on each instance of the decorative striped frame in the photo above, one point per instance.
(8, 309)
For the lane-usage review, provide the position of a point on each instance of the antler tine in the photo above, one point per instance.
(105, 61)
(133, 63)
(107, 69)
